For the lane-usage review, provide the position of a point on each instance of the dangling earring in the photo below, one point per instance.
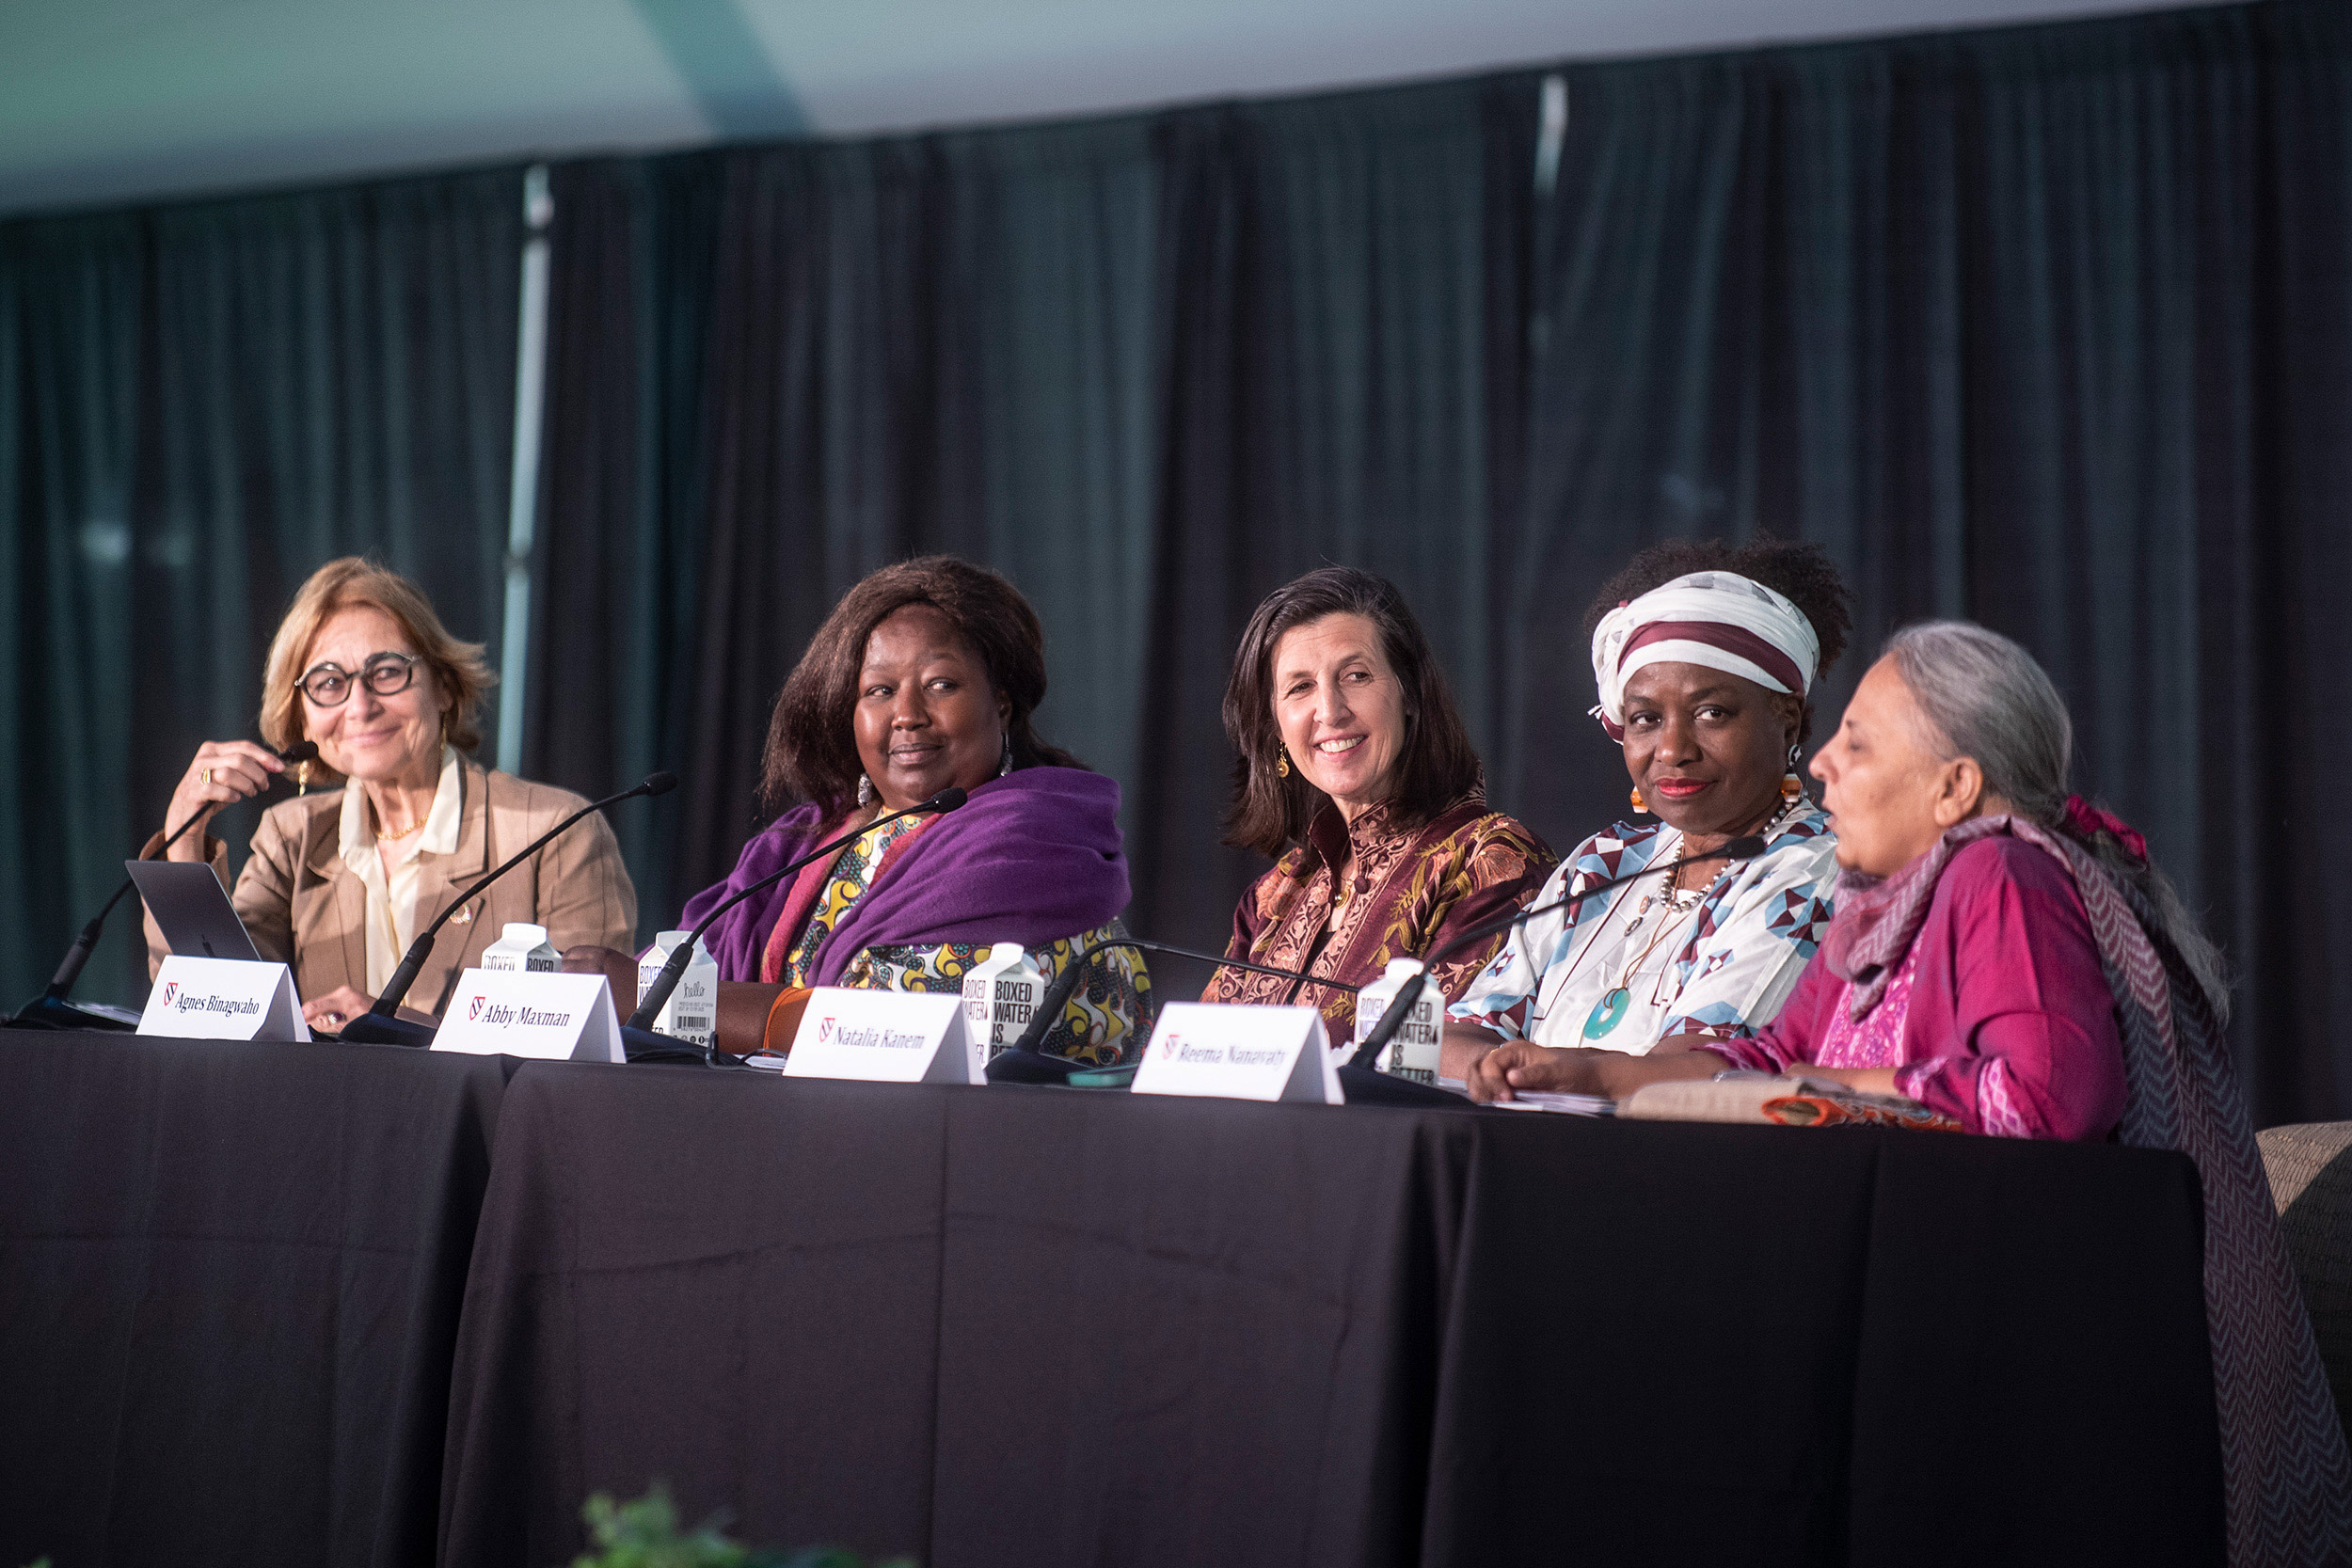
(1282, 762)
(1639, 804)
(1005, 766)
(302, 777)
(865, 790)
(1791, 787)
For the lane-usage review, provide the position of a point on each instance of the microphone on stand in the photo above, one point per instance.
(638, 1036)
(1745, 847)
(381, 1024)
(50, 1009)
(1021, 1062)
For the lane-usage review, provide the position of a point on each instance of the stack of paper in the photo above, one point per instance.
(1570, 1104)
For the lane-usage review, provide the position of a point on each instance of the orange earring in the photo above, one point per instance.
(1791, 786)
(1282, 763)
(1639, 804)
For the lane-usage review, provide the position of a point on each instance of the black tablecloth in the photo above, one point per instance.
(1040, 1326)
(229, 1279)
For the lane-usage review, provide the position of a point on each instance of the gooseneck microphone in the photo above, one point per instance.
(649, 1005)
(382, 1023)
(50, 1009)
(1745, 847)
(1023, 1061)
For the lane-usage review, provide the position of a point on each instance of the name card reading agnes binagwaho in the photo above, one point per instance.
(548, 1017)
(223, 999)
(1239, 1052)
(884, 1037)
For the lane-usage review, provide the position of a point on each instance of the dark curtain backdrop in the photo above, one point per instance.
(198, 406)
(2045, 326)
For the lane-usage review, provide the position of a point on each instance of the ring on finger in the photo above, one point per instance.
(205, 777)
(336, 1019)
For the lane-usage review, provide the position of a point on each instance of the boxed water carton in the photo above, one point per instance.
(522, 947)
(1001, 994)
(692, 1013)
(1412, 1051)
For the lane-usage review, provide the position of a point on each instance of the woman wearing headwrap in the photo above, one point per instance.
(1706, 656)
(2006, 956)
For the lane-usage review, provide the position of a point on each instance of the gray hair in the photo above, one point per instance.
(1985, 698)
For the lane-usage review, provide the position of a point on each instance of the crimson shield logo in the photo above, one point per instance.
(1167, 1047)
(171, 989)
(473, 1009)
(824, 1030)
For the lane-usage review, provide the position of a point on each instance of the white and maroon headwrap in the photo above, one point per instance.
(1719, 619)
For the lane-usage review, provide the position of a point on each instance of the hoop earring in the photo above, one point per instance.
(1282, 762)
(865, 790)
(1639, 804)
(1792, 785)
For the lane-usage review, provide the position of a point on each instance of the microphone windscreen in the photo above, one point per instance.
(301, 751)
(1744, 849)
(946, 800)
(659, 783)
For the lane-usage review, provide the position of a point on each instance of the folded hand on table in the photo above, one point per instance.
(1582, 1069)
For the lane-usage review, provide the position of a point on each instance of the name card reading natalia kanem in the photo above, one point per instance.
(1239, 1052)
(524, 1012)
(223, 999)
(883, 1036)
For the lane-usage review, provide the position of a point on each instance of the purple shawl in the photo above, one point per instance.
(1032, 858)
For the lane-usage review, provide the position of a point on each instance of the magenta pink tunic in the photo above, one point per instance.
(2000, 1016)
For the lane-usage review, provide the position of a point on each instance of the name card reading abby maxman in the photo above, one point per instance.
(223, 999)
(549, 1017)
(1239, 1052)
(884, 1037)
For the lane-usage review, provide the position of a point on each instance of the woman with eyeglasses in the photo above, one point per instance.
(342, 879)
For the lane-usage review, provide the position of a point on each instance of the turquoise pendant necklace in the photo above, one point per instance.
(1618, 999)
(1608, 1012)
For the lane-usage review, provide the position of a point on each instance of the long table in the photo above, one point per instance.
(1045, 1326)
(1042, 1327)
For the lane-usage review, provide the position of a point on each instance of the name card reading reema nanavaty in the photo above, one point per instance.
(883, 1036)
(548, 1017)
(223, 999)
(1239, 1052)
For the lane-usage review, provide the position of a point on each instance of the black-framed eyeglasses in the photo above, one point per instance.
(386, 674)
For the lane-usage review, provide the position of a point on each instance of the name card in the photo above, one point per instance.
(223, 999)
(885, 1037)
(523, 1012)
(1239, 1052)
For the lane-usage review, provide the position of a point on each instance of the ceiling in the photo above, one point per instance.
(107, 102)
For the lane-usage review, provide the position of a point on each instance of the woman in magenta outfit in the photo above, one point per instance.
(2008, 956)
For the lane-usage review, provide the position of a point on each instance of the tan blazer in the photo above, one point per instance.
(305, 907)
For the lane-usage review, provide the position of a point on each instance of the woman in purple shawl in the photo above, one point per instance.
(926, 675)
(2007, 957)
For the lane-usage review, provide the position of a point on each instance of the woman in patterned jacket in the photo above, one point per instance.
(1358, 779)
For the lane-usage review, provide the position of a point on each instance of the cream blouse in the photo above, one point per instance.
(392, 919)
